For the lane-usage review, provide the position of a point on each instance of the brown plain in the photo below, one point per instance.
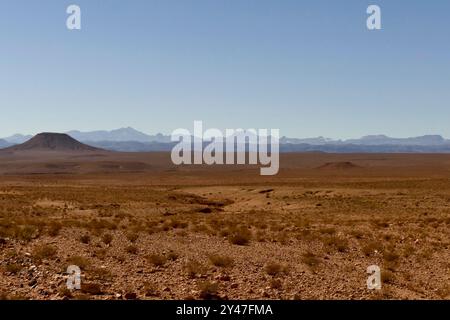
(142, 228)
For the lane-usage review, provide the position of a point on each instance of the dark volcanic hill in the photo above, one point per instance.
(52, 142)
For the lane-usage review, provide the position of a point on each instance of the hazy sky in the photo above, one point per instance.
(307, 67)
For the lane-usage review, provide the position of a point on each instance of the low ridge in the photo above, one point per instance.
(344, 165)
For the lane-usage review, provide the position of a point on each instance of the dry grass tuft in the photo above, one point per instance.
(221, 261)
(91, 288)
(79, 261)
(276, 284)
(44, 252)
(387, 276)
(107, 238)
(371, 248)
(13, 268)
(208, 290)
(275, 269)
(240, 237)
(310, 259)
(194, 268)
(156, 259)
(86, 239)
(132, 236)
(132, 249)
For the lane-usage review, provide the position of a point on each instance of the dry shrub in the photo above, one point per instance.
(387, 276)
(13, 268)
(100, 253)
(275, 269)
(44, 252)
(86, 239)
(328, 230)
(310, 259)
(240, 236)
(120, 258)
(208, 290)
(65, 292)
(194, 268)
(100, 224)
(391, 256)
(221, 261)
(177, 224)
(79, 261)
(91, 288)
(82, 297)
(444, 291)
(150, 289)
(3, 296)
(409, 250)
(26, 233)
(282, 238)
(102, 274)
(337, 243)
(261, 236)
(172, 255)
(132, 249)
(54, 228)
(132, 236)
(371, 247)
(276, 284)
(156, 259)
(358, 234)
(12, 297)
(107, 238)
(381, 224)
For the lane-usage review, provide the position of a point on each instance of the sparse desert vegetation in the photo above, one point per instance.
(224, 233)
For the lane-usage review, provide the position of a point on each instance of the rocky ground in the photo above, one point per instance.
(297, 238)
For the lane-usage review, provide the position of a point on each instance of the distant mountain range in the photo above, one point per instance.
(131, 140)
(373, 140)
(119, 135)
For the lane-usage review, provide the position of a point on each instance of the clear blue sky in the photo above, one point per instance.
(307, 67)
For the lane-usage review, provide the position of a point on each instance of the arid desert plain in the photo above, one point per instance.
(140, 227)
